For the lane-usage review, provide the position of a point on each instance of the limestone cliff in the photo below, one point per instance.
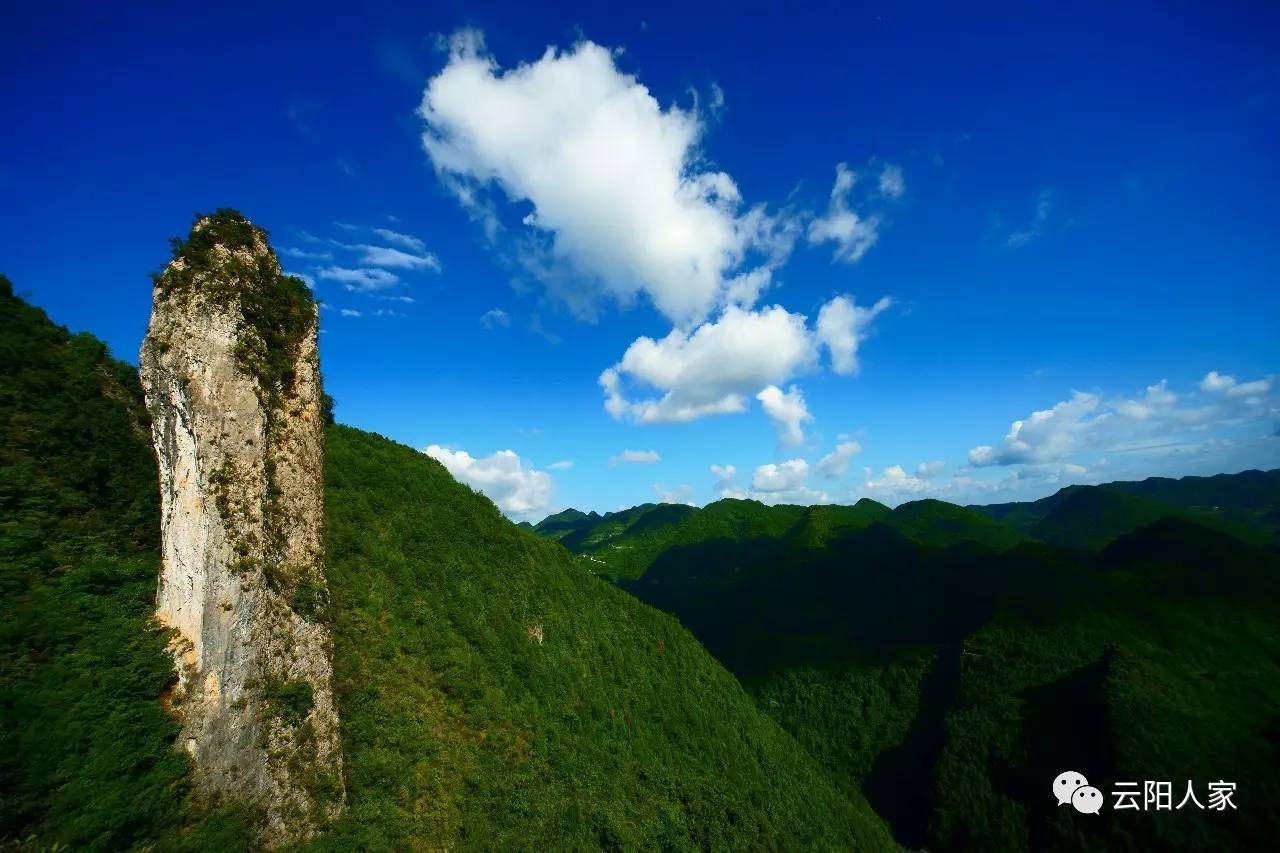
(231, 374)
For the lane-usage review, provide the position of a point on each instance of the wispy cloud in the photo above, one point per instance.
(305, 254)
(635, 457)
(404, 241)
(359, 279)
(1035, 228)
(385, 256)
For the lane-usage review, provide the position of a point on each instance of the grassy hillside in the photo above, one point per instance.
(493, 694)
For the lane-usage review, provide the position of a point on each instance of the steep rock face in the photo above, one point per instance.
(231, 374)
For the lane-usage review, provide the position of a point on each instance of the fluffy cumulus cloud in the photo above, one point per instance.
(712, 370)
(781, 482)
(780, 477)
(517, 488)
(719, 366)
(787, 412)
(836, 463)
(636, 457)
(619, 198)
(495, 318)
(622, 206)
(1157, 418)
(842, 326)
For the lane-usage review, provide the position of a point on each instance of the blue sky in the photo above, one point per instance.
(844, 251)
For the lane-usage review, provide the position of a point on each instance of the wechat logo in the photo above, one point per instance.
(1071, 787)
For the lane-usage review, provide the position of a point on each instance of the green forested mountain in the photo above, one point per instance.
(492, 693)
(86, 753)
(625, 544)
(495, 694)
(951, 664)
(1245, 505)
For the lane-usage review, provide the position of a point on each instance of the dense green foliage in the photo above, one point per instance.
(226, 259)
(951, 665)
(86, 752)
(624, 545)
(496, 695)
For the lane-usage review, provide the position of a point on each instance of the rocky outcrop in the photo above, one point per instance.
(232, 380)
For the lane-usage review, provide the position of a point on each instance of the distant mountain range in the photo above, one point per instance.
(623, 544)
(949, 660)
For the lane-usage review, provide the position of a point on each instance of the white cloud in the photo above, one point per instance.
(836, 463)
(636, 457)
(720, 365)
(620, 199)
(895, 478)
(562, 465)
(404, 241)
(842, 326)
(518, 489)
(495, 318)
(714, 368)
(305, 255)
(725, 475)
(678, 495)
(350, 312)
(310, 280)
(360, 279)
(787, 411)
(779, 483)
(929, 470)
(1023, 236)
(892, 183)
(895, 485)
(852, 234)
(1155, 419)
(384, 256)
(782, 476)
(1215, 382)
